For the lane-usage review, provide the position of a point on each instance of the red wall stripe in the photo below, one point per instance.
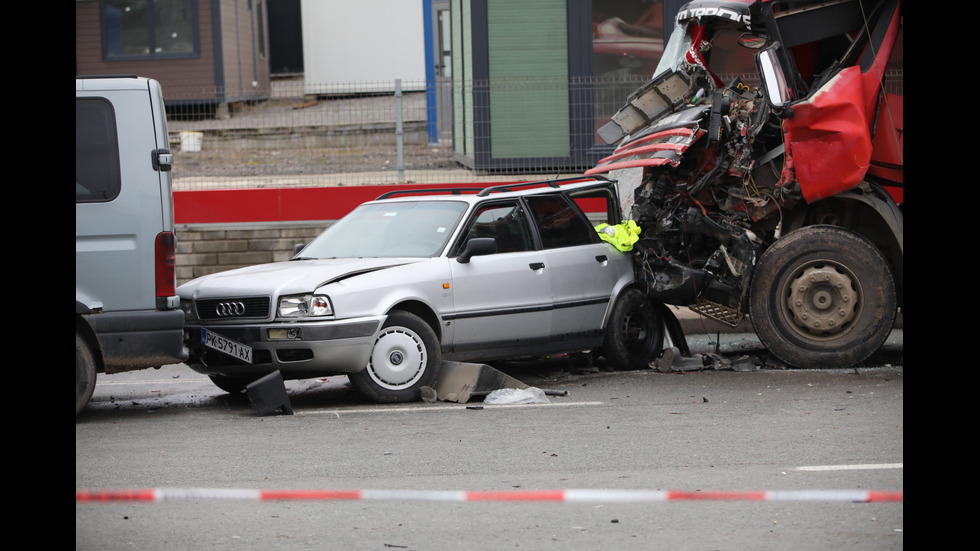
(279, 204)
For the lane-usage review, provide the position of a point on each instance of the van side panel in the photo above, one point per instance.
(122, 203)
(114, 239)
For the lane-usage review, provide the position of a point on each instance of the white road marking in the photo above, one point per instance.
(447, 407)
(103, 382)
(851, 467)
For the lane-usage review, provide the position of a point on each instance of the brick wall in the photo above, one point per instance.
(207, 248)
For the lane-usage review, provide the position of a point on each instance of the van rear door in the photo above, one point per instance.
(123, 202)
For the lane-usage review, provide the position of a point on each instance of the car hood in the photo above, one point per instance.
(283, 278)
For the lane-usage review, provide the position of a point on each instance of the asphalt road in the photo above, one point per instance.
(702, 431)
(695, 431)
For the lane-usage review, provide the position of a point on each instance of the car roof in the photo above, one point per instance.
(474, 194)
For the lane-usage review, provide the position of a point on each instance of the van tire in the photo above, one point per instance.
(85, 373)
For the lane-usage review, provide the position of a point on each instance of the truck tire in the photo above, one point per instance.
(84, 373)
(635, 333)
(822, 296)
(406, 357)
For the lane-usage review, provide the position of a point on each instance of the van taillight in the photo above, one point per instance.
(166, 264)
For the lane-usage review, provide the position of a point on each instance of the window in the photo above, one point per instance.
(96, 152)
(150, 29)
(627, 43)
(627, 37)
(560, 224)
(504, 222)
(260, 17)
(599, 205)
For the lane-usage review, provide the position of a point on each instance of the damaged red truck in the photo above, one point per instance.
(780, 199)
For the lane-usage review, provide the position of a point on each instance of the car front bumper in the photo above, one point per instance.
(306, 349)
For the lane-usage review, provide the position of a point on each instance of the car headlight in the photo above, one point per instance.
(302, 306)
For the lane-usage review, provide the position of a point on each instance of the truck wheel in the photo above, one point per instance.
(84, 373)
(822, 296)
(405, 357)
(635, 334)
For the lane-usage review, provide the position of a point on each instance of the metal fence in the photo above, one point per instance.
(299, 135)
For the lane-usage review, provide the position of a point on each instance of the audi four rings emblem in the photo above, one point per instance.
(225, 309)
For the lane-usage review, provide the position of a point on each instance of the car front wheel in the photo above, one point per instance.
(405, 358)
(232, 384)
(635, 333)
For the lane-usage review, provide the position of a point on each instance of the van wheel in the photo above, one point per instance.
(84, 373)
(822, 296)
(635, 333)
(405, 357)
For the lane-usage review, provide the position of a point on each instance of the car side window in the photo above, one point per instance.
(504, 222)
(559, 223)
(96, 151)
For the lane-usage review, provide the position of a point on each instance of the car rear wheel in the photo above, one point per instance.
(84, 373)
(635, 333)
(405, 358)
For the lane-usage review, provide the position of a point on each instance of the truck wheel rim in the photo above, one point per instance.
(823, 299)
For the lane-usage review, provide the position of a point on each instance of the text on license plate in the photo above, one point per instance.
(223, 344)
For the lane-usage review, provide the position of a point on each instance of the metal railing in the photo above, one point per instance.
(297, 134)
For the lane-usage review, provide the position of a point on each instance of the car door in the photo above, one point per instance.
(585, 271)
(502, 300)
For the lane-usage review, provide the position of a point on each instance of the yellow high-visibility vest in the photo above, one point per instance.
(622, 236)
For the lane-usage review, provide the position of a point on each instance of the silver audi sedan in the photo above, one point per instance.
(408, 280)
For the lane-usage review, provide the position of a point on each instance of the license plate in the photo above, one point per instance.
(223, 344)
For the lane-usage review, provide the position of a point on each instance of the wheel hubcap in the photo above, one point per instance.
(398, 358)
(823, 300)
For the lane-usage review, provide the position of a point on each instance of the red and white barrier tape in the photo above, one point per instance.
(563, 496)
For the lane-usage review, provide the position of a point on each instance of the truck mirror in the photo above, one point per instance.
(773, 78)
(751, 41)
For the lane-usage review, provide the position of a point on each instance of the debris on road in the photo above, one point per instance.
(529, 395)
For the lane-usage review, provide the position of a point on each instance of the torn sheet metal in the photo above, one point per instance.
(662, 148)
(460, 381)
(649, 103)
(267, 395)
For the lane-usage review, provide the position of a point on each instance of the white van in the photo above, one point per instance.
(127, 313)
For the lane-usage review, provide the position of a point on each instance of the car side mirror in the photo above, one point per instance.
(475, 247)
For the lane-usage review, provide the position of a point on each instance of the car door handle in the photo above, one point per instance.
(601, 258)
(536, 265)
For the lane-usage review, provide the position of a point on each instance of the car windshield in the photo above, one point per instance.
(393, 229)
